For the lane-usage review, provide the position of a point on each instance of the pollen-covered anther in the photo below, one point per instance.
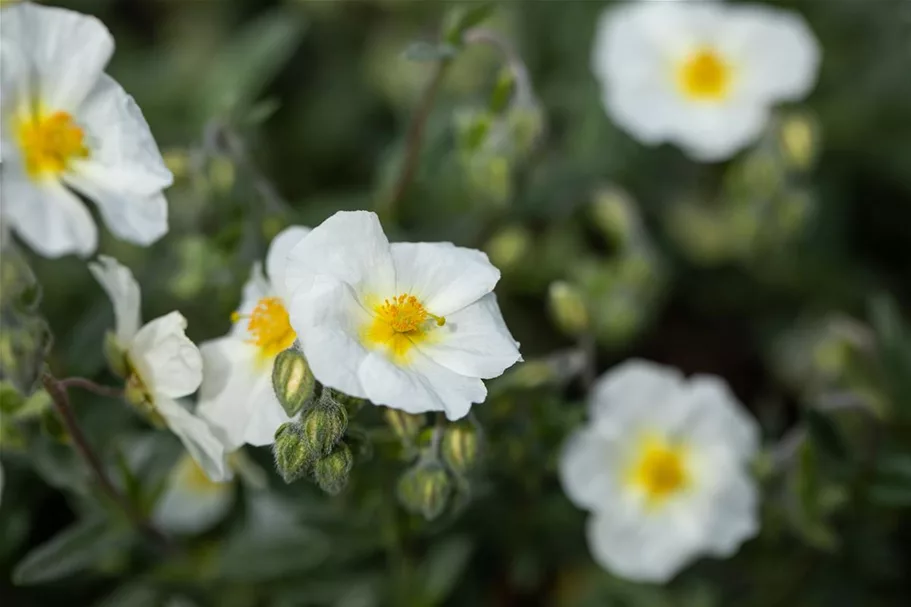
(50, 143)
(269, 326)
(406, 314)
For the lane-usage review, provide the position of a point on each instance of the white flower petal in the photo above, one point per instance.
(351, 248)
(714, 133)
(236, 395)
(734, 516)
(191, 506)
(588, 465)
(474, 341)
(68, 50)
(633, 390)
(118, 282)
(166, 360)
(445, 278)
(196, 435)
(135, 218)
(123, 153)
(47, 216)
(279, 249)
(715, 417)
(421, 386)
(776, 51)
(647, 549)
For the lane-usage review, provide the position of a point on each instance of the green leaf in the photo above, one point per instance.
(443, 567)
(75, 549)
(825, 434)
(426, 52)
(10, 399)
(893, 351)
(891, 495)
(250, 62)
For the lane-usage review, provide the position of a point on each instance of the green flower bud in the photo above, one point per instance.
(614, 213)
(567, 307)
(461, 448)
(509, 246)
(324, 425)
(292, 380)
(292, 454)
(114, 354)
(221, 174)
(425, 489)
(405, 425)
(799, 137)
(332, 471)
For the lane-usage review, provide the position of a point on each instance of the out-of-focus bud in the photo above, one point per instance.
(799, 140)
(461, 448)
(502, 90)
(221, 174)
(509, 246)
(114, 354)
(700, 232)
(424, 489)
(490, 174)
(567, 307)
(614, 213)
(525, 122)
(405, 425)
(471, 128)
(292, 380)
(292, 453)
(324, 425)
(794, 210)
(618, 317)
(178, 162)
(331, 472)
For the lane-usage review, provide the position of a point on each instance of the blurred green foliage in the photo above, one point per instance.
(767, 270)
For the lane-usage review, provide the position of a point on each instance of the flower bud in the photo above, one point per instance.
(292, 380)
(331, 472)
(324, 425)
(405, 425)
(461, 448)
(799, 137)
(567, 308)
(114, 354)
(425, 489)
(509, 246)
(292, 454)
(614, 213)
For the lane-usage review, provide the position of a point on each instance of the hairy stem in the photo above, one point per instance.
(57, 390)
(90, 386)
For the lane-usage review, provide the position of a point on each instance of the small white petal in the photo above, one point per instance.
(711, 134)
(68, 50)
(236, 394)
(715, 417)
(349, 247)
(118, 282)
(421, 386)
(445, 278)
(189, 505)
(166, 360)
(47, 216)
(734, 516)
(279, 250)
(588, 465)
(196, 435)
(635, 389)
(474, 341)
(135, 218)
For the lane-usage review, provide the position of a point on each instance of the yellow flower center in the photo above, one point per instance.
(704, 76)
(398, 324)
(269, 327)
(660, 471)
(191, 477)
(50, 142)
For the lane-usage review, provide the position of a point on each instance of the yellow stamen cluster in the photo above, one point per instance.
(660, 471)
(269, 327)
(50, 143)
(704, 76)
(398, 324)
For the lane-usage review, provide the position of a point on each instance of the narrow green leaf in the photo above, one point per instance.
(426, 52)
(75, 549)
(462, 18)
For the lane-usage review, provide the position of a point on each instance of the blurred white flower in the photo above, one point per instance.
(414, 326)
(164, 365)
(66, 125)
(192, 502)
(663, 467)
(236, 396)
(701, 74)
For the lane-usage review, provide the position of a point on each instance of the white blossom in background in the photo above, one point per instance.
(663, 468)
(414, 326)
(163, 366)
(236, 396)
(702, 75)
(191, 501)
(67, 126)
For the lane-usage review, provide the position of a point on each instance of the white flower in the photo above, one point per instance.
(662, 466)
(66, 125)
(236, 395)
(414, 326)
(701, 74)
(164, 366)
(192, 502)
